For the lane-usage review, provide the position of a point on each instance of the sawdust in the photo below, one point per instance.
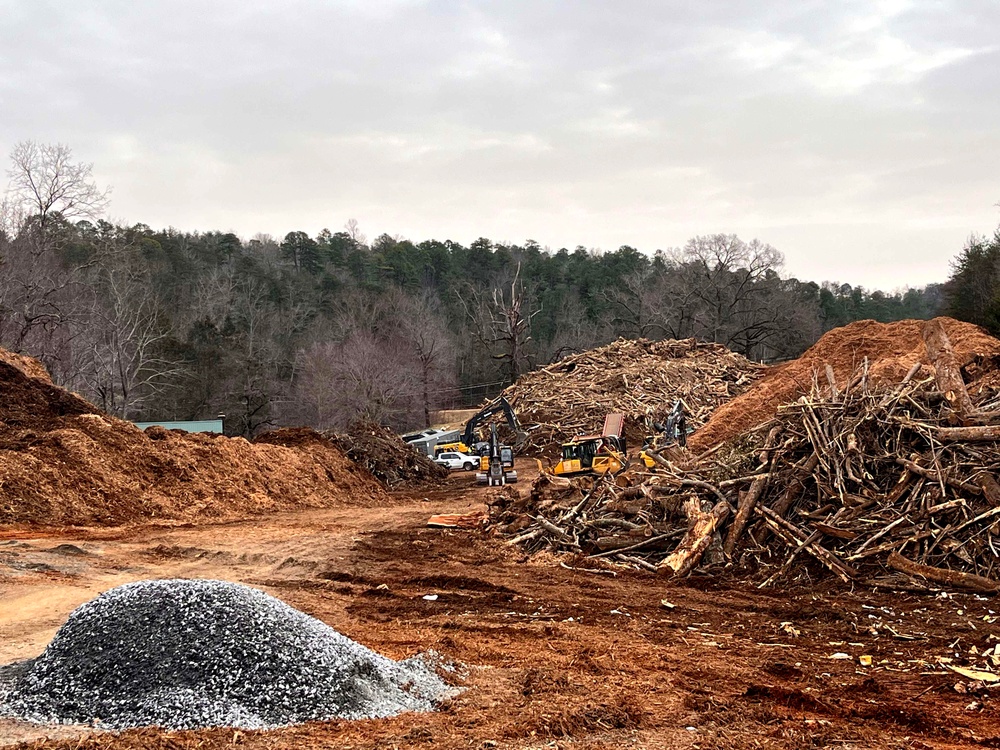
(891, 349)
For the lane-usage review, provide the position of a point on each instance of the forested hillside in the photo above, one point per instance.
(155, 324)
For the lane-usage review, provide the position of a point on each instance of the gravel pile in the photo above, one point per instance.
(185, 654)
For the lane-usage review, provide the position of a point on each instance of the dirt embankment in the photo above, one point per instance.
(890, 348)
(62, 462)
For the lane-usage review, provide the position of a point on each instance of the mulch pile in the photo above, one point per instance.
(63, 462)
(886, 477)
(638, 378)
(383, 453)
(890, 348)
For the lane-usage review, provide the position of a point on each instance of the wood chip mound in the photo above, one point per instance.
(890, 348)
(889, 484)
(639, 378)
(66, 463)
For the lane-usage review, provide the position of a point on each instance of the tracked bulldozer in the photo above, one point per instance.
(595, 454)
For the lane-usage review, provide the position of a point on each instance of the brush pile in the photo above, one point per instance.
(887, 484)
(638, 378)
(382, 452)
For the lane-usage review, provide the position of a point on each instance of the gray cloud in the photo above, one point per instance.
(856, 137)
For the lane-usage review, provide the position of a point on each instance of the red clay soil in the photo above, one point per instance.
(62, 462)
(557, 657)
(891, 349)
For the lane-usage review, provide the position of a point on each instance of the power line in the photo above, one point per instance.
(455, 388)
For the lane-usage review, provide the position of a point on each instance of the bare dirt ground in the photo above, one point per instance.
(554, 657)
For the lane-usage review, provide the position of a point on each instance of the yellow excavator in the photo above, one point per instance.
(595, 454)
(470, 441)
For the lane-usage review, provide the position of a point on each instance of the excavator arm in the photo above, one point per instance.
(500, 404)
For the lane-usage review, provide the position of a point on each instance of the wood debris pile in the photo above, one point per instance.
(382, 452)
(638, 378)
(887, 485)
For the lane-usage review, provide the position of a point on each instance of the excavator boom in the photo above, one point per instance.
(497, 405)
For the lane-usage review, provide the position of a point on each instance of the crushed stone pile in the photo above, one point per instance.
(382, 452)
(884, 484)
(890, 348)
(639, 378)
(63, 462)
(185, 654)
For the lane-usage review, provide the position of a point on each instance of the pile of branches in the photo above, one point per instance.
(892, 486)
(639, 378)
(382, 452)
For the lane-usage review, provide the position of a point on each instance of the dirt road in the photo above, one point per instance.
(554, 657)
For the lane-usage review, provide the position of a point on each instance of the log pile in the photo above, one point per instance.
(638, 378)
(382, 452)
(889, 485)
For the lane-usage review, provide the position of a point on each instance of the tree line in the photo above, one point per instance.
(320, 330)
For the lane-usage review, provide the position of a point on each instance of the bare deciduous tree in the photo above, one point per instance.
(40, 295)
(736, 289)
(500, 318)
(424, 328)
(45, 180)
(361, 377)
(125, 366)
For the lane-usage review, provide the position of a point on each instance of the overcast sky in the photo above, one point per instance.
(861, 139)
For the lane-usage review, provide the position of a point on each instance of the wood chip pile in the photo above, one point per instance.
(883, 484)
(890, 348)
(638, 378)
(382, 452)
(63, 462)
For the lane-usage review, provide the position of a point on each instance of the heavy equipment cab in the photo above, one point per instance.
(496, 467)
(470, 436)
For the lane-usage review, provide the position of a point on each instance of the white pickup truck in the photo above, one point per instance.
(458, 461)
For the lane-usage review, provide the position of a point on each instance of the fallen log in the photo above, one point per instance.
(796, 485)
(748, 501)
(701, 528)
(940, 575)
(746, 505)
(980, 434)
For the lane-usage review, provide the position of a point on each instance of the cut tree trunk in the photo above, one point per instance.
(701, 529)
(747, 502)
(971, 434)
